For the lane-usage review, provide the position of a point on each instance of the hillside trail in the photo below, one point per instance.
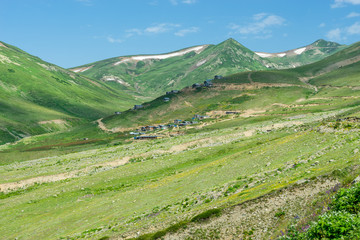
(102, 125)
(7, 187)
(306, 81)
(328, 69)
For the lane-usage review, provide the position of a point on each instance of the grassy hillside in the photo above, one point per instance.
(38, 97)
(152, 77)
(291, 144)
(314, 52)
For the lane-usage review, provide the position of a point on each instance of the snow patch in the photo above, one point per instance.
(83, 69)
(122, 61)
(281, 54)
(197, 49)
(263, 55)
(115, 79)
(300, 50)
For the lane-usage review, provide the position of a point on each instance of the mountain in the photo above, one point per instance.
(333, 69)
(277, 146)
(38, 97)
(304, 55)
(151, 75)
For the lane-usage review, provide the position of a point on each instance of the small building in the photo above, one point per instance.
(232, 112)
(149, 128)
(218, 77)
(137, 107)
(196, 85)
(208, 83)
(146, 137)
(166, 99)
(172, 92)
(199, 117)
(117, 113)
(177, 121)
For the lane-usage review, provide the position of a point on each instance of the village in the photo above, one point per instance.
(177, 123)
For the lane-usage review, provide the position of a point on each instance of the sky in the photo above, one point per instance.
(71, 33)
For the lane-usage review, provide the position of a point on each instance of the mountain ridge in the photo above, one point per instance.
(152, 74)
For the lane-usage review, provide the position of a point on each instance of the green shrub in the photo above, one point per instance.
(347, 200)
(206, 215)
(335, 225)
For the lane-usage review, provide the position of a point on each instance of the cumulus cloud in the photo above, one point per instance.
(261, 25)
(335, 34)
(183, 32)
(343, 3)
(353, 29)
(161, 28)
(114, 40)
(340, 34)
(353, 14)
(322, 25)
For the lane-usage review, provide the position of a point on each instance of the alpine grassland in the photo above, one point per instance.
(258, 154)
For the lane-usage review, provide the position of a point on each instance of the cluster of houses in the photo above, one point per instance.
(177, 123)
(207, 83)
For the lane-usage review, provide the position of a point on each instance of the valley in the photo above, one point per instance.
(273, 147)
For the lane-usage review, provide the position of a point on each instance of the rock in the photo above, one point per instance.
(357, 179)
(356, 151)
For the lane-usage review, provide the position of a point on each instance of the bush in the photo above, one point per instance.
(206, 215)
(335, 225)
(347, 200)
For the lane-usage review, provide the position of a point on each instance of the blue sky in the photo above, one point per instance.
(75, 32)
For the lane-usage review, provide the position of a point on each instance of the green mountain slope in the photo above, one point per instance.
(301, 56)
(278, 158)
(152, 75)
(224, 95)
(34, 93)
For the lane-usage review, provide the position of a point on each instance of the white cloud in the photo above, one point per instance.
(183, 32)
(176, 2)
(353, 14)
(114, 40)
(261, 25)
(161, 28)
(322, 25)
(353, 29)
(341, 34)
(259, 16)
(342, 3)
(335, 34)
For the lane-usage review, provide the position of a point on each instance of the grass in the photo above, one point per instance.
(33, 91)
(189, 178)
